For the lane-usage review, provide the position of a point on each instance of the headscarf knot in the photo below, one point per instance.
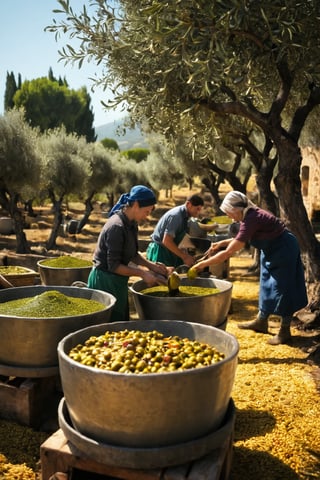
(139, 193)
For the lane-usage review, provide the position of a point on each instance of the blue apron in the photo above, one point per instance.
(282, 283)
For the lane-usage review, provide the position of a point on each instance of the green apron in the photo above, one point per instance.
(159, 253)
(115, 284)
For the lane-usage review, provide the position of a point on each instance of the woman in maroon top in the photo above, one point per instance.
(282, 283)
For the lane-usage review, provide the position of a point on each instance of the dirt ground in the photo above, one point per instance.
(83, 244)
(246, 452)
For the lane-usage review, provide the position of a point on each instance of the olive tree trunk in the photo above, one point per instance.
(288, 186)
(57, 221)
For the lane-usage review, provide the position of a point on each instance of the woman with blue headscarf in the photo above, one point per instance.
(116, 256)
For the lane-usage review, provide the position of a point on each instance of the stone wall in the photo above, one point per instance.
(310, 179)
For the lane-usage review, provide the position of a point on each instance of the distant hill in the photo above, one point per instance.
(131, 139)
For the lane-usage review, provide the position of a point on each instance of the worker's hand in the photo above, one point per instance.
(170, 270)
(151, 278)
(196, 268)
(161, 280)
(215, 247)
(160, 269)
(188, 259)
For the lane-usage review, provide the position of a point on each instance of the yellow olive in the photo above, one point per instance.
(192, 273)
(173, 281)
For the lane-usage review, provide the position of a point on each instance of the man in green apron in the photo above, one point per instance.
(170, 231)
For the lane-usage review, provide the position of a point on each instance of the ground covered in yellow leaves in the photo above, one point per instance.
(277, 403)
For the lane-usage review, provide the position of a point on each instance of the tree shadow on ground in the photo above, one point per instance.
(254, 465)
(252, 423)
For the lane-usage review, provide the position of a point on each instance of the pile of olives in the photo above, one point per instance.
(133, 351)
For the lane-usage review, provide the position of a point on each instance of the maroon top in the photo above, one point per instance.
(259, 224)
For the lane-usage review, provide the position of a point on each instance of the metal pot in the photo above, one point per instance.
(28, 346)
(6, 226)
(148, 410)
(210, 309)
(148, 458)
(62, 276)
(201, 244)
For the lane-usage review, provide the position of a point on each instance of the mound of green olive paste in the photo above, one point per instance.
(133, 351)
(66, 261)
(13, 270)
(50, 304)
(184, 291)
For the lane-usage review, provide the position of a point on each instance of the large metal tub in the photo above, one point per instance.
(210, 309)
(29, 345)
(146, 458)
(62, 276)
(148, 410)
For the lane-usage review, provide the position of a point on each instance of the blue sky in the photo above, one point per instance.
(28, 50)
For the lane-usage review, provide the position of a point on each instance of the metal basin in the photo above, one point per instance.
(146, 458)
(6, 226)
(210, 309)
(201, 244)
(62, 276)
(148, 410)
(31, 343)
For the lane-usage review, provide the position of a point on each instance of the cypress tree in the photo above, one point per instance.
(10, 90)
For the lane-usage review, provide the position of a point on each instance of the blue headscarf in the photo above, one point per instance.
(139, 193)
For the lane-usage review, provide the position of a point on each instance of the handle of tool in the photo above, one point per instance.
(206, 254)
(4, 282)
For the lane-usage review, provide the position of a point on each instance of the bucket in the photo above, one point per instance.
(148, 458)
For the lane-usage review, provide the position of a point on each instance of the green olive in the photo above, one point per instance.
(144, 352)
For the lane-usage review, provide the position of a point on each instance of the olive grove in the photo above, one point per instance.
(202, 63)
(55, 166)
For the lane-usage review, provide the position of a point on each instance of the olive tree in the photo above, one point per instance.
(201, 59)
(101, 175)
(19, 169)
(64, 171)
(161, 166)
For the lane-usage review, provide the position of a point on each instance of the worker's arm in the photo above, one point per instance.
(169, 243)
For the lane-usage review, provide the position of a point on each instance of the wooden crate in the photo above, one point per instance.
(60, 459)
(24, 400)
(26, 277)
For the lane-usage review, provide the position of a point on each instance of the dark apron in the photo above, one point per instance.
(115, 284)
(282, 283)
